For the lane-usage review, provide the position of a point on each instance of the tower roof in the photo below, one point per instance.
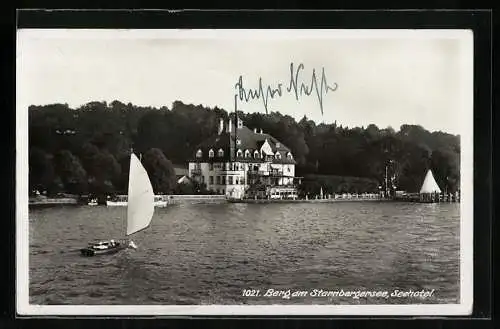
(430, 185)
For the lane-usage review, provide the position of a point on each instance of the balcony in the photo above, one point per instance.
(258, 173)
(276, 173)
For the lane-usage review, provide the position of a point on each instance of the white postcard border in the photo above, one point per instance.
(466, 206)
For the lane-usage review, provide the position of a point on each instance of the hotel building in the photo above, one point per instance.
(239, 162)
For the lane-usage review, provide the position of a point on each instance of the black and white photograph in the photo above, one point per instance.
(252, 172)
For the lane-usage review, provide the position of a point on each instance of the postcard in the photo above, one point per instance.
(244, 172)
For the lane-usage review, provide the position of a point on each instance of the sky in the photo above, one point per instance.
(387, 78)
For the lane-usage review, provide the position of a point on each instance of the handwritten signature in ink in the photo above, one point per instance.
(299, 90)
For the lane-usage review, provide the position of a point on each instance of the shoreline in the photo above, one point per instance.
(53, 202)
(209, 199)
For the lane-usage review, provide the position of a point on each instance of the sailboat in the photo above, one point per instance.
(140, 209)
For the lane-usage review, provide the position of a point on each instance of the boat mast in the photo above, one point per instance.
(235, 134)
(235, 124)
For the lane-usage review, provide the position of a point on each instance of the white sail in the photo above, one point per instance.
(140, 197)
(430, 185)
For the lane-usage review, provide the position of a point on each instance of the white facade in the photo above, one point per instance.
(222, 177)
(256, 161)
(232, 178)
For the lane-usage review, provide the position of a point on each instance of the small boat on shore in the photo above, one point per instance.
(122, 201)
(92, 202)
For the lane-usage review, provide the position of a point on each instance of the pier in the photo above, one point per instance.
(429, 197)
(40, 202)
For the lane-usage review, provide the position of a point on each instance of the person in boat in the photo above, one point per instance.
(112, 243)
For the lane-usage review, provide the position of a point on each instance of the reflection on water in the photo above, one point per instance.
(207, 254)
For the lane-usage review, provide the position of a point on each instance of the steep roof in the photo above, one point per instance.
(248, 140)
(430, 185)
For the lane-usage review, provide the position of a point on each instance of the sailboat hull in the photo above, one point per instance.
(94, 251)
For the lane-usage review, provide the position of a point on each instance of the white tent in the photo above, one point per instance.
(429, 185)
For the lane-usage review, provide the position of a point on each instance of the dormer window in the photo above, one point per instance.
(238, 141)
(277, 155)
(211, 153)
(278, 145)
(239, 153)
(220, 153)
(289, 156)
(256, 154)
(247, 153)
(199, 154)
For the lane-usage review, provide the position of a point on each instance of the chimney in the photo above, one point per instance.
(255, 130)
(230, 126)
(221, 126)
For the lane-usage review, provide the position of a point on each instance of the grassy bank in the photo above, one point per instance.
(331, 184)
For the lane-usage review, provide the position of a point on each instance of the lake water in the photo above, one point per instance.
(207, 254)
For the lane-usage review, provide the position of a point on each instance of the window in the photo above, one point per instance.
(210, 166)
(289, 156)
(211, 180)
(247, 153)
(220, 153)
(199, 154)
(238, 141)
(218, 180)
(230, 180)
(278, 155)
(203, 179)
(278, 145)
(239, 153)
(223, 180)
(256, 154)
(211, 153)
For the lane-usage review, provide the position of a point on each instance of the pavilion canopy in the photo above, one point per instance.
(429, 185)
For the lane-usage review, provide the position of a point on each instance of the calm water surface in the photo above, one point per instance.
(207, 254)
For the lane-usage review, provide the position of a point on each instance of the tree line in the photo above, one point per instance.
(87, 149)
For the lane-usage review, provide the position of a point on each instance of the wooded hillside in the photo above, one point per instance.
(87, 149)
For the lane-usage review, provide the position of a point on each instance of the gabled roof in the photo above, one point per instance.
(248, 140)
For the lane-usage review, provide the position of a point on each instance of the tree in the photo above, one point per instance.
(445, 165)
(160, 170)
(71, 172)
(102, 168)
(191, 187)
(41, 170)
(99, 134)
